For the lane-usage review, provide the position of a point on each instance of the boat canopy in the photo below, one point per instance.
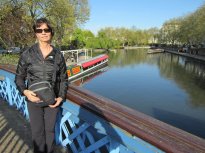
(94, 60)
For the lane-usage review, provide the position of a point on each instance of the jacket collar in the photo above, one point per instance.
(37, 50)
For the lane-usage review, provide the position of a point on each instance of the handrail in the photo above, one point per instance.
(8, 67)
(160, 134)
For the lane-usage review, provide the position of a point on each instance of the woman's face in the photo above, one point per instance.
(43, 33)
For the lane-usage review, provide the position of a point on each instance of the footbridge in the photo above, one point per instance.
(89, 122)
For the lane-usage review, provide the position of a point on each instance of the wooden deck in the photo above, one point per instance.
(15, 132)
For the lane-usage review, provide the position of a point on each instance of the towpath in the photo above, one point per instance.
(198, 57)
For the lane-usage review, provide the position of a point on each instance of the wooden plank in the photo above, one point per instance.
(9, 68)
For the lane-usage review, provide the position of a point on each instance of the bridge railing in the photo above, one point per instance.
(92, 123)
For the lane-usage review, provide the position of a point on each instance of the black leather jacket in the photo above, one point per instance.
(33, 67)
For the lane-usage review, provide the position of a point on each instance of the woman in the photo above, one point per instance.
(37, 63)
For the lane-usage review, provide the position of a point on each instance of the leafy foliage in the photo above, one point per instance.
(17, 17)
(188, 29)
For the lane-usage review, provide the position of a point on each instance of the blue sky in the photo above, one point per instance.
(142, 14)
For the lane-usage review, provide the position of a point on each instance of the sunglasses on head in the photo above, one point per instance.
(41, 30)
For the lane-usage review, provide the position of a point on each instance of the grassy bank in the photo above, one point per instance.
(14, 58)
(9, 59)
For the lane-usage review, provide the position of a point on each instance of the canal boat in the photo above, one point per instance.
(155, 50)
(82, 68)
(80, 81)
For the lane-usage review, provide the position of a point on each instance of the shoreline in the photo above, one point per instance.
(197, 57)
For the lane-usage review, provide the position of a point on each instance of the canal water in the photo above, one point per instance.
(168, 87)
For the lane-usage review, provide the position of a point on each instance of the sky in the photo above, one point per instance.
(141, 14)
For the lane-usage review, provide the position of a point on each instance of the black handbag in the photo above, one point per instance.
(44, 90)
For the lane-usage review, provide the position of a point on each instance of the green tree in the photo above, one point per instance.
(90, 39)
(13, 27)
(104, 40)
(188, 29)
(18, 17)
(152, 35)
(61, 14)
(169, 31)
(78, 39)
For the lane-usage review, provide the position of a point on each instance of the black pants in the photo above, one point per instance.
(42, 121)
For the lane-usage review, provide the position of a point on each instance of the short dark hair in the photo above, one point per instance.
(41, 21)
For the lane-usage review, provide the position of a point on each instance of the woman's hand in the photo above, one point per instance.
(58, 101)
(31, 96)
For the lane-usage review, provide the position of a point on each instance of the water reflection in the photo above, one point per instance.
(188, 74)
(127, 57)
(153, 82)
(85, 79)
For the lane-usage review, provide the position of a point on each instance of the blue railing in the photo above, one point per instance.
(10, 94)
(87, 123)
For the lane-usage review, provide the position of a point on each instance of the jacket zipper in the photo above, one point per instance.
(44, 72)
